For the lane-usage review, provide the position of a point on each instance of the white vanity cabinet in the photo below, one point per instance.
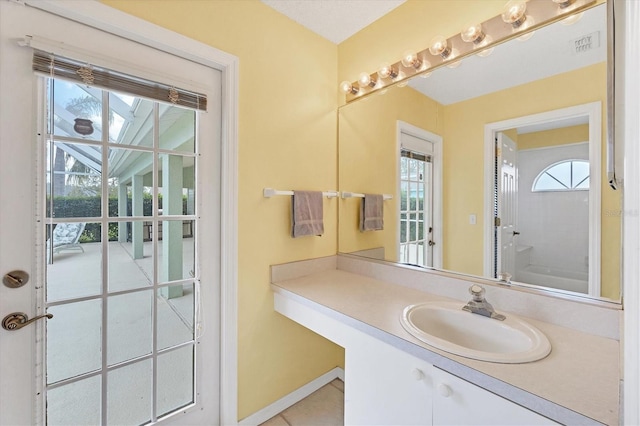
(458, 402)
(387, 386)
(384, 385)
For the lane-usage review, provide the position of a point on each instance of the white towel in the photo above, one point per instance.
(371, 213)
(306, 213)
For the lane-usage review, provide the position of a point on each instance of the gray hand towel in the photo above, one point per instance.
(371, 213)
(306, 213)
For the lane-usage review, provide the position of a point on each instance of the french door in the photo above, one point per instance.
(106, 198)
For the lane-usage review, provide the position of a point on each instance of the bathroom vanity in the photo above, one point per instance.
(393, 378)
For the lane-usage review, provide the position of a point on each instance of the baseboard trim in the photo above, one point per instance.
(287, 401)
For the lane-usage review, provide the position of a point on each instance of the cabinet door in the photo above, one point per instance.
(458, 402)
(385, 386)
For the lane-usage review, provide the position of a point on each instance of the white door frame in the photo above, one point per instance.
(436, 140)
(631, 218)
(593, 111)
(102, 17)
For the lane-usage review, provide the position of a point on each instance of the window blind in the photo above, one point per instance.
(52, 65)
(415, 156)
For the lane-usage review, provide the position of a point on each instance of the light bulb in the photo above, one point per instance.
(440, 46)
(347, 87)
(572, 19)
(526, 36)
(482, 47)
(564, 3)
(514, 13)
(386, 71)
(530, 22)
(411, 60)
(365, 80)
(473, 34)
(486, 52)
(454, 54)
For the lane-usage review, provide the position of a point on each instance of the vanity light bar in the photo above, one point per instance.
(356, 195)
(538, 14)
(270, 192)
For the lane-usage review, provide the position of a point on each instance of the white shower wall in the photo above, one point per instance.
(555, 224)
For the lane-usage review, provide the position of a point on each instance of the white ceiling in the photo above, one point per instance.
(549, 52)
(335, 20)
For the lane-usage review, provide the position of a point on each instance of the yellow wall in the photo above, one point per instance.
(369, 160)
(287, 140)
(463, 172)
(563, 136)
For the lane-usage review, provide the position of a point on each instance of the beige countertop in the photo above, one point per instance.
(576, 383)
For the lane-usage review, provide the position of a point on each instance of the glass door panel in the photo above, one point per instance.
(77, 403)
(121, 283)
(74, 340)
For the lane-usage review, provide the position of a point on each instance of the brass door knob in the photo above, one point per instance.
(17, 320)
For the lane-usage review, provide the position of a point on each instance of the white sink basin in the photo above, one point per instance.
(446, 326)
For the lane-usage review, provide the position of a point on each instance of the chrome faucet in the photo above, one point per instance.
(479, 305)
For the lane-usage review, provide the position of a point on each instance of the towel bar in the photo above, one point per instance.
(270, 192)
(356, 195)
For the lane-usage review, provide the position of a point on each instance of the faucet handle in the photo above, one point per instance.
(477, 292)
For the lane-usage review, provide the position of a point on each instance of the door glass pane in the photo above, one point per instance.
(77, 110)
(130, 255)
(175, 315)
(413, 196)
(404, 168)
(413, 170)
(130, 183)
(175, 379)
(75, 171)
(74, 339)
(176, 251)
(177, 128)
(74, 256)
(130, 120)
(176, 178)
(129, 326)
(129, 394)
(77, 403)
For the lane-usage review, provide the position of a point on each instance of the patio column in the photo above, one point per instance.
(122, 212)
(136, 210)
(171, 229)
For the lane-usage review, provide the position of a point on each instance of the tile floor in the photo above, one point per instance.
(324, 407)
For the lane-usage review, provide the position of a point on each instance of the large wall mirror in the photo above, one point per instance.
(495, 167)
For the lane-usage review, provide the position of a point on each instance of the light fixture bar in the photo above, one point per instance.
(543, 12)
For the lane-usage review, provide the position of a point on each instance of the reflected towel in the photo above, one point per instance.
(371, 213)
(306, 213)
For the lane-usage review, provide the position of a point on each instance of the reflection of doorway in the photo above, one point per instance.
(556, 238)
(419, 211)
(506, 204)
